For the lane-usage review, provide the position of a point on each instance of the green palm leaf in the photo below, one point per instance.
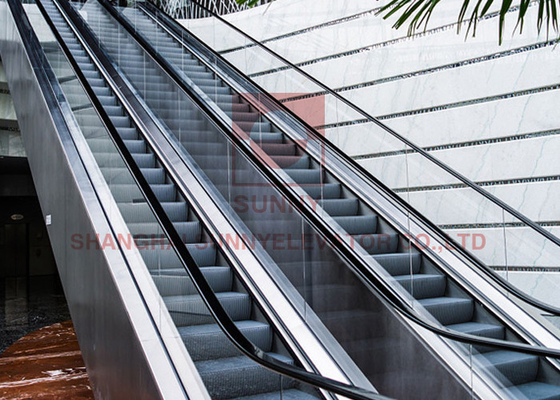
(417, 13)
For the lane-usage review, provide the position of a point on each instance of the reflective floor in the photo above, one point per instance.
(27, 304)
(45, 364)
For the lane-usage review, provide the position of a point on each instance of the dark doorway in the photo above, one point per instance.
(31, 294)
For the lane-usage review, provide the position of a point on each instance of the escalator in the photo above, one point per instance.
(152, 206)
(440, 295)
(327, 286)
(215, 358)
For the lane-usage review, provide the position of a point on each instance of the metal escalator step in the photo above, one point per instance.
(279, 149)
(303, 176)
(212, 91)
(114, 159)
(534, 391)
(128, 133)
(510, 368)
(449, 310)
(190, 230)
(292, 162)
(339, 207)
(263, 136)
(191, 310)
(208, 342)
(423, 286)
(219, 278)
(254, 127)
(240, 376)
(105, 144)
(121, 175)
(141, 212)
(114, 111)
(290, 394)
(480, 329)
(357, 224)
(325, 191)
(378, 243)
(128, 192)
(165, 258)
(399, 263)
(233, 106)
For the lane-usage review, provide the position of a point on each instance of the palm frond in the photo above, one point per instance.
(418, 12)
(250, 3)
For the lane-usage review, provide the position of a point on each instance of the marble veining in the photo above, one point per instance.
(46, 363)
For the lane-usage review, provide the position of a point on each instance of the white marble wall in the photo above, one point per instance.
(535, 157)
(537, 200)
(359, 33)
(523, 248)
(408, 55)
(270, 20)
(492, 78)
(541, 285)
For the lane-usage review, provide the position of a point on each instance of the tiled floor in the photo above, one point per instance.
(27, 304)
(46, 364)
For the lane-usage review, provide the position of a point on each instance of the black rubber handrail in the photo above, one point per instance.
(178, 29)
(218, 312)
(354, 261)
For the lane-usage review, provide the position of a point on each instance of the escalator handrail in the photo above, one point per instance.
(203, 287)
(359, 266)
(174, 25)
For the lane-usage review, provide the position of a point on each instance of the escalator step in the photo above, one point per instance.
(141, 212)
(480, 329)
(107, 160)
(305, 175)
(399, 263)
(219, 278)
(115, 111)
(512, 368)
(263, 136)
(239, 376)
(378, 243)
(535, 391)
(280, 149)
(422, 286)
(292, 162)
(191, 310)
(358, 224)
(127, 192)
(189, 231)
(208, 342)
(107, 100)
(340, 207)
(449, 310)
(325, 191)
(290, 394)
(204, 254)
(121, 175)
